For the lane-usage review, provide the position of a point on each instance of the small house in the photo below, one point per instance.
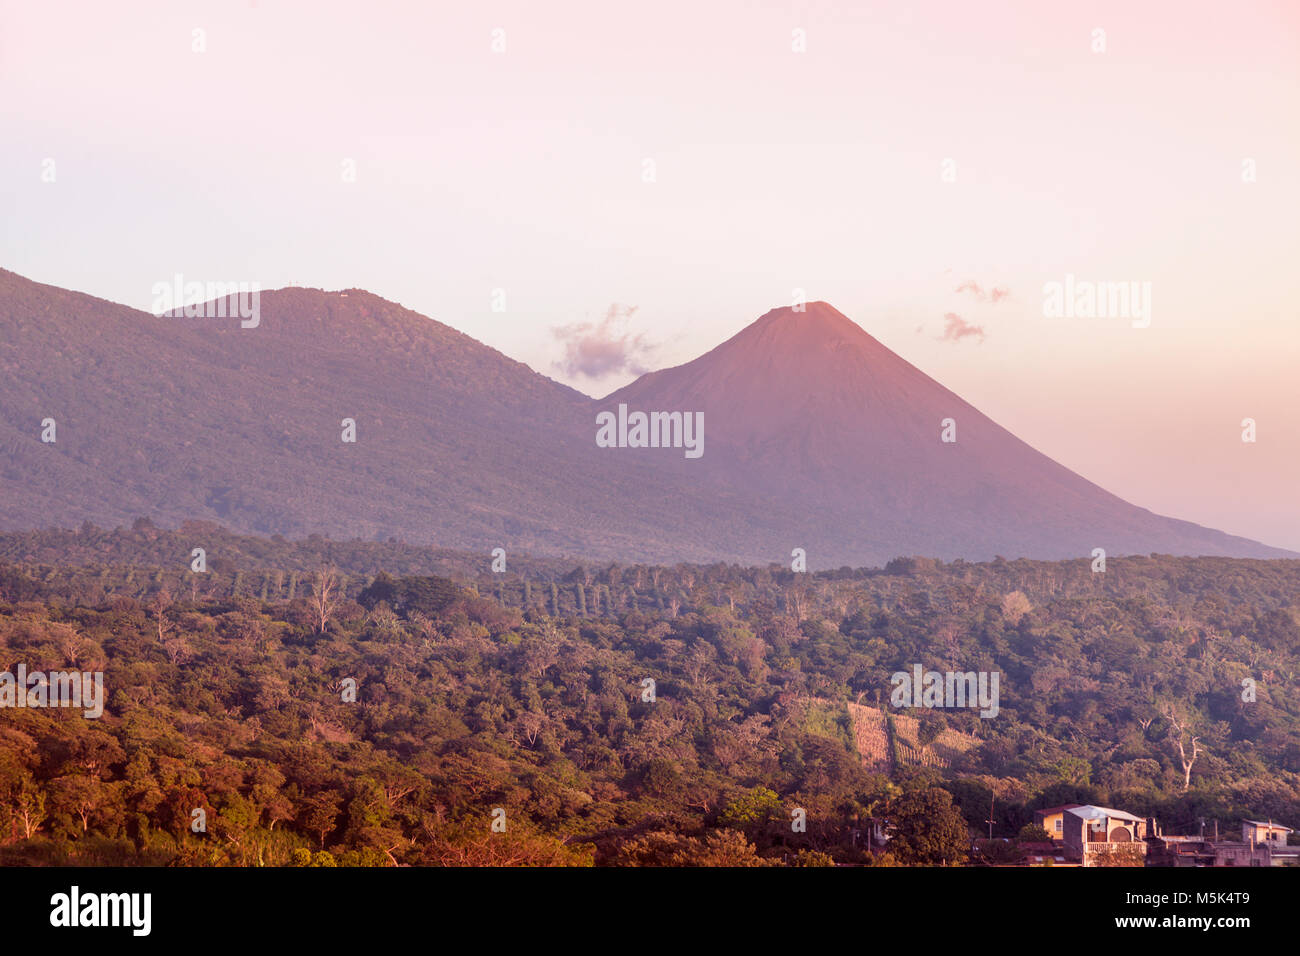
(1255, 832)
(1052, 820)
(1100, 835)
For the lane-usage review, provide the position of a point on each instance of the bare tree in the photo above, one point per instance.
(29, 809)
(796, 601)
(674, 605)
(529, 726)
(72, 643)
(325, 597)
(177, 649)
(173, 643)
(1177, 730)
(162, 602)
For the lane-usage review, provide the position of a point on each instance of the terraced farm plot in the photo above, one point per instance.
(871, 736)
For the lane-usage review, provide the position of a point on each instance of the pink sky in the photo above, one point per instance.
(775, 170)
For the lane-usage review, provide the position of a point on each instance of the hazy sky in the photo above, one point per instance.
(774, 170)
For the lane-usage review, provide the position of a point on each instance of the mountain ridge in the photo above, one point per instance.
(817, 436)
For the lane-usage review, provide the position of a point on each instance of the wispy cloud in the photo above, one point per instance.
(956, 328)
(596, 350)
(994, 295)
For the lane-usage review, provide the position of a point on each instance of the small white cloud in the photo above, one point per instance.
(596, 350)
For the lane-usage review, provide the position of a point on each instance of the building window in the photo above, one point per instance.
(1059, 824)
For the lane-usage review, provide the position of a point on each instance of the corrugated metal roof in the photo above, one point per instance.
(1275, 826)
(1089, 812)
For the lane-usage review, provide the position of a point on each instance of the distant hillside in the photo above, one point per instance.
(179, 419)
(816, 437)
(806, 406)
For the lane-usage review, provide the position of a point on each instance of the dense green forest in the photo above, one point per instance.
(510, 718)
